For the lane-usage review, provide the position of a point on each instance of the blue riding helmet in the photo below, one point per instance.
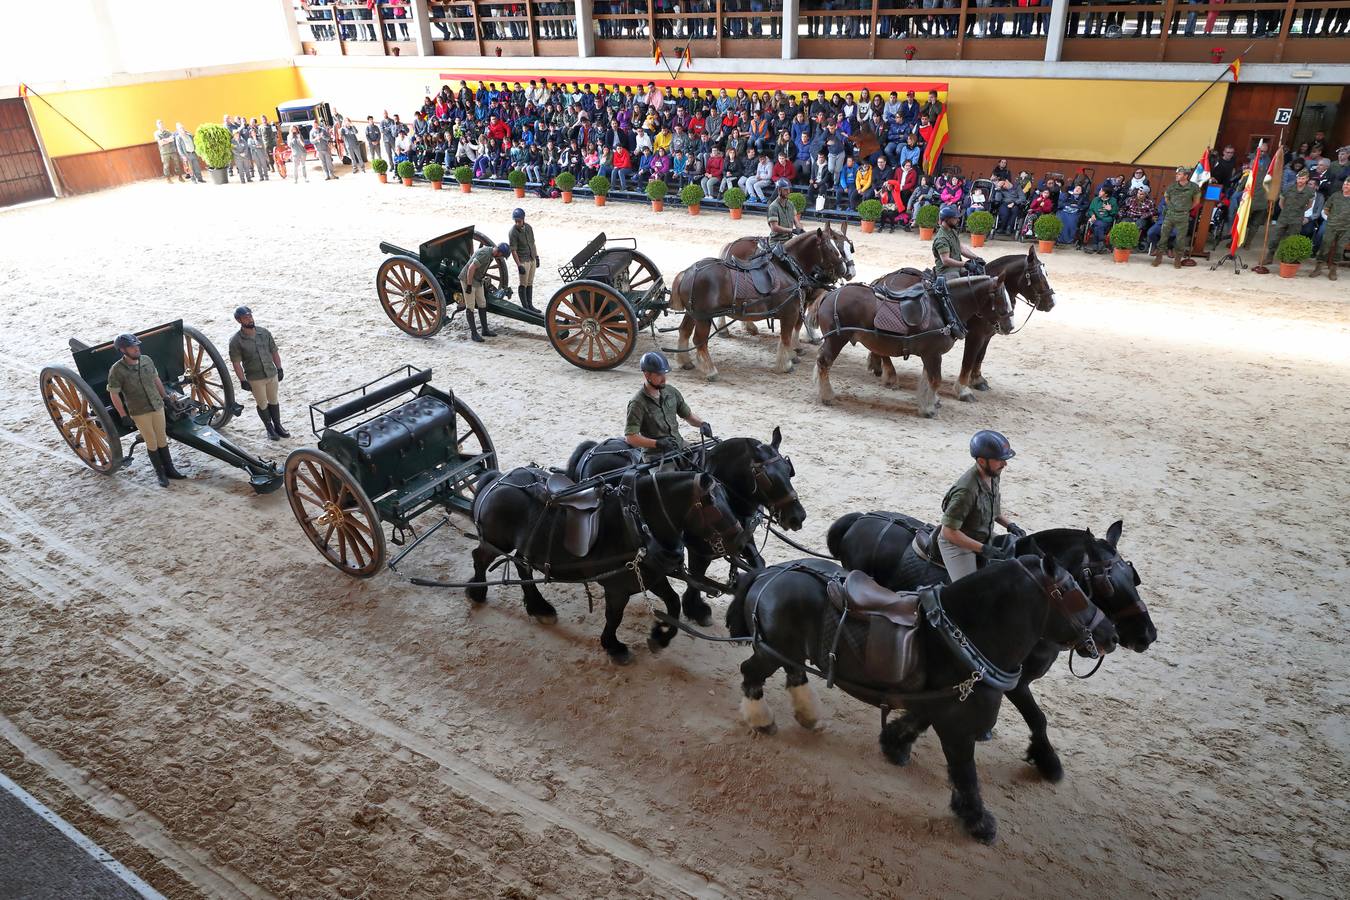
(990, 445)
(241, 311)
(504, 249)
(125, 340)
(654, 363)
(517, 213)
(949, 212)
(783, 184)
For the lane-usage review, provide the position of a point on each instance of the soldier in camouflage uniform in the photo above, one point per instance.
(168, 152)
(1294, 202)
(243, 157)
(471, 279)
(1337, 233)
(1180, 196)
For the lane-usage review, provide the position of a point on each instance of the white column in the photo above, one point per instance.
(790, 18)
(292, 26)
(1054, 35)
(422, 28)
(585, 29)
(112, 49)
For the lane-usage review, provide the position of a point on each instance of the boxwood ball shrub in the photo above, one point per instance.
(565, 181)
(405, 169)
(927, 217)
(1294, 249)
(515, 178)
(464, 174)
(869, 210)
(798, 200)
(1047, 227)
(433, 172)
(599, 186)
(980, 222)
(734, 198)
(691, 194)
(379, 166)
(656, 189)
(1124, 236)
(213, 145)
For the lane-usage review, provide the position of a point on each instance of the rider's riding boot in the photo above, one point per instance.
(1317, 270)
(473, 328)
(482, 320)
(158, 465)
(1176, 259)
(267, 423)
(1331, 265)
(167, 461)
(274, 412)
(527, 298)
(1157, 256)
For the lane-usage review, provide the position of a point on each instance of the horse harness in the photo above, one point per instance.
(817, 279)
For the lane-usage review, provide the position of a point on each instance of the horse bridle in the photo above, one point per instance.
(710, 521)
(1029, 284)
(1069, 598)
(764, 485)
(1098, 573)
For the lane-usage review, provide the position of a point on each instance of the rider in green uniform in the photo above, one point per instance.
(948, 252)
(655, 410)
(971, 507)
(782, 215)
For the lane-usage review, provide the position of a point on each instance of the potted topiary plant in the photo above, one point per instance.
(1124, 237)
(405, 171)
(464, 175)
(564, 183)
(1291, 253)
(869, 211)
(213, 148)
(1047, 228)
(435, 173)
(691, 195)
(656, 192)
(734, 198)
(516, 179)
(979, 224)
(798, 201)
(599, 186)
(380, 168)
(927, 222)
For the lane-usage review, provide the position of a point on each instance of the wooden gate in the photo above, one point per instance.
(23, 177)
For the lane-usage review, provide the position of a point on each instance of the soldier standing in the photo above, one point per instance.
(388, 134)
(373, 137)
(257, 365)
(1180, 196)
(296, 141)
(524, 252)
(187, 152)
(1294, 202)
(136, 392)
(258, 152)
(1337, 233)
(267, 137)
(471, 287)
(323, 148)
(352, 141)
(242, 155)
(168, 152)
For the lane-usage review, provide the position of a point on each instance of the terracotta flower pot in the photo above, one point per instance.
(1122, 256)
(599, 199)
(658, 205)
(384, 179)
(520, 192)
(926, 234)
(436, 185)
(868, 226)
(736, 213)
(693, 210)
(977, 240)
(466, 188)
(407, 182)
(1045, 246)
(1288, 270)
(567, 196)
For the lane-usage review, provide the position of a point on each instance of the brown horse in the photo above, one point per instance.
(774, 289)
(746, 248)
(1023, 275)
(847, 316)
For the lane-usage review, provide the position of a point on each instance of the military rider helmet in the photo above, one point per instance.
(504, 249)
(949, 212)
(241, 311)
(784, 184)
(988, 444)
(125, 340)
(517, 213)
(654, 363)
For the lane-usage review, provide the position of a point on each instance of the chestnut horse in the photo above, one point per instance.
(711, 288)
(746, 248)
(846, 316)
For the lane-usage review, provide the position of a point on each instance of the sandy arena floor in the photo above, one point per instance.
(184, 678)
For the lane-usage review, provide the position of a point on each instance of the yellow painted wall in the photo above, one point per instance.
(1103, 121)
(124, 116)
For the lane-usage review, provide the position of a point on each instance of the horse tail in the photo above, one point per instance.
(677, 292)
(574, 460)
(737, 626)
(834, 538)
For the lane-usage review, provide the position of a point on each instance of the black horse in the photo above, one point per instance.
(1003, 611)
(879, 543)
(758, 480)
(636, 526)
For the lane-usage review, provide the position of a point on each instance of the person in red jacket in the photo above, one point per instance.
(713, 172)
(698, 123)
(784, 168)
(623, 167)
(497, 129)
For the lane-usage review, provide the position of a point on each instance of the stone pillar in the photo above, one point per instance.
(585, 29)
(791, 13)
(1054, 32)
(288, 14)
(422, 28)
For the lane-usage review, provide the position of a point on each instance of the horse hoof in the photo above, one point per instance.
(987, 736)
(655, 646)
(966, 396)
(550, 618)
(771, 728)
(712, 376)
(980, 385)
(477, 596)
(1046, 761)
(984, 829)
(929, 413)
(686, 366)
(621, 657)
(828, 401)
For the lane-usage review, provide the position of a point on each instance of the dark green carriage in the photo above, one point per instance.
(611, 291)
(200, 401)
(388, 451)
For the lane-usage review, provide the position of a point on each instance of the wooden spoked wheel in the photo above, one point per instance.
(635, 279)
(411, 296)
(472, 439)
(205, 376)
(496, 278)
(591, 325)
(335, 513)
(82, 419)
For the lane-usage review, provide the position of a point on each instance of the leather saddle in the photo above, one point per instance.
(580, 509)
(878, 631)
(910, 311)
(925, 546)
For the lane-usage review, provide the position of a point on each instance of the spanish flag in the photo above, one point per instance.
(657, 55)
(1235, 67)
(688, 57)
(1244, 207)
(935, 138)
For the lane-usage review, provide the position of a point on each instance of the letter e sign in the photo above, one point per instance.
(1282, 116)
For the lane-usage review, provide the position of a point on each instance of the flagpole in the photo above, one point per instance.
(1260, 268)
(1226, 70)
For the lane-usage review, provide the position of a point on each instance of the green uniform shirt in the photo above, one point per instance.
(1337, 209)
(1294, 203)
(970, 507)
(521, 241)
(656, 419)
(479, 263)
(136, 384)
(1180, 198)
(782, 212)
(255, 353)
(946, 243)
